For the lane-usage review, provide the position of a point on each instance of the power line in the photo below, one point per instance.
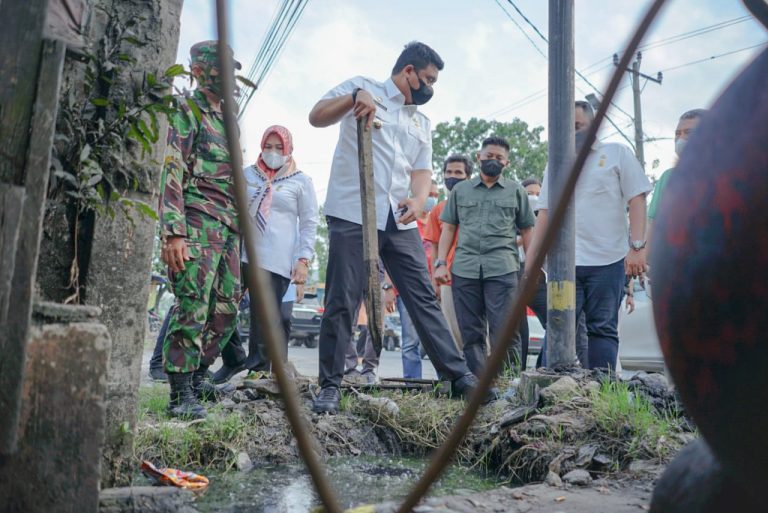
(521, 29)
(713, 57)
(693, 33)
(578, 73)
(281, 27)
(676, 38)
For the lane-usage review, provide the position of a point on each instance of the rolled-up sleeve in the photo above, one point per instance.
(308, 220)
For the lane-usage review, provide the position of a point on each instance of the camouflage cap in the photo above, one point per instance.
(207, 53)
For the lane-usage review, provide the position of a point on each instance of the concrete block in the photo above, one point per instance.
(147, 499)
(531, 382)
(57, 466)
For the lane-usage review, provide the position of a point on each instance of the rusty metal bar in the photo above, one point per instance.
(370, 235)
(262, 299)
(446, 451)
(758, 9)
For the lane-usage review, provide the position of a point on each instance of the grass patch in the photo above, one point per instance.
(422, 424)
(165, 441)
(345, 401)
(153, 400)
(631, 424)
(214, 442)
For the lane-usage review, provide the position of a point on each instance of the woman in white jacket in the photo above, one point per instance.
(284, 218)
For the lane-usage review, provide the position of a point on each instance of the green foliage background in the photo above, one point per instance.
(527, 155)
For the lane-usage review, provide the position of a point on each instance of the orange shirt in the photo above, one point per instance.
(433, 230)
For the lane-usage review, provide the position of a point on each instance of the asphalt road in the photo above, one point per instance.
(305, 361)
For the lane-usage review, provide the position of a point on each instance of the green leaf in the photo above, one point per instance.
(246, 81)
(94, 180)
(145, 210)
(67, 177)
(153, 125)
(175, 70)
(195, 110)
(151, 80)
(134, 41)
(100, 102)
(85, 153)
(145, 131)
(121, 109)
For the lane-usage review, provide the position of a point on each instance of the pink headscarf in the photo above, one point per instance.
(261, 202)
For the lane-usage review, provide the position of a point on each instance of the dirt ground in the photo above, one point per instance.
(601, 497)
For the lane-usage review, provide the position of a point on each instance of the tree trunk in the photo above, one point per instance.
(114, 254)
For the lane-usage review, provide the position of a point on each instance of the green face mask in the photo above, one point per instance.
(211, 82)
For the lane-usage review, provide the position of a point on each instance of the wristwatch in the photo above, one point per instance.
(440, 263)
(387, 286)
(637, 245)
(354, 94)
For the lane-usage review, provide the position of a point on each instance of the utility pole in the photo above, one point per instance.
(635, 76)
(561, 260)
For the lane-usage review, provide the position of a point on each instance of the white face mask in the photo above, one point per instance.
(534, 202)
(273, 159)
(679, 145)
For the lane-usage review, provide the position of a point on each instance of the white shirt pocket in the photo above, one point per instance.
(417, 139)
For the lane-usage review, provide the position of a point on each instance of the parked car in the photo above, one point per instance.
(392, 331)
(639, 347)
(305, 322)
(535, 333)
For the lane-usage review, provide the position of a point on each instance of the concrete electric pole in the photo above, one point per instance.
(635, 76)
(561, 270)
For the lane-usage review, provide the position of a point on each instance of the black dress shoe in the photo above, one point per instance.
(463, 387)
(225, 373)
(327, 401)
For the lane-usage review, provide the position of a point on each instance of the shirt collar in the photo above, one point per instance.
(502, 181)
(393, 92)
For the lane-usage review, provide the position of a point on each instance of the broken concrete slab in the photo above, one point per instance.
(533, 381)
(561, 390)
(147, 499)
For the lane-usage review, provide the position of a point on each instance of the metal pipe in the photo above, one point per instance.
(262, 299)
(445, 452)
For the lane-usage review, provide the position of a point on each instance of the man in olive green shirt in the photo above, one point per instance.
(492, 211)
(685, 127)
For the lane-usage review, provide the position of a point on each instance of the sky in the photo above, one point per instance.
(492, 70)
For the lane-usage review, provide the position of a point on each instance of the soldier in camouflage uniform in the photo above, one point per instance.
(201, 240)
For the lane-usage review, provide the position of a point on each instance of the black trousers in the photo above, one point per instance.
(257, 359)
(481, 305)
(403, 256)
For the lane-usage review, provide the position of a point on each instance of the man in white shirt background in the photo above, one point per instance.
(402, 160)
(612, 181)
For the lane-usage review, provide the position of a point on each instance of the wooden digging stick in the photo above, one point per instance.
(370, 236)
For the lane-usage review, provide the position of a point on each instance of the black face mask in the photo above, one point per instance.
(491, 167)
(581, 137)
(451, 182)
(421, 95)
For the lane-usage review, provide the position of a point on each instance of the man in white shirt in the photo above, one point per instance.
(402, 157)
(612, 181)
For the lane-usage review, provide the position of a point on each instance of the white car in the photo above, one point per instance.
(535, 333)
(639, 347)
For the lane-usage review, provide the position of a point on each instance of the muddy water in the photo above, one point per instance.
(362, 480)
